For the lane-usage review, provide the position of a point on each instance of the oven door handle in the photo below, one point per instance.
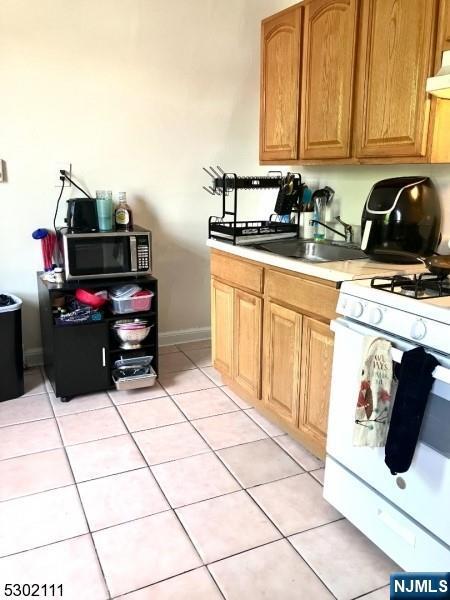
(439, 373)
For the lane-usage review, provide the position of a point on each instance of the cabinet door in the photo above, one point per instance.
(222, 326)
(395, 59)
(282, 346)
(81, 359)
(280, 85)
(328, 77)
(440, 146)
(247, 342)
(444, 29)
(317, 358)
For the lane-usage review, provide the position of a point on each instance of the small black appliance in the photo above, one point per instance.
(401, 220)
(82, 215)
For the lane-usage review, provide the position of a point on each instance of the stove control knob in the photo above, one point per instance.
(357, 310)
(375, 316)
(418, 330)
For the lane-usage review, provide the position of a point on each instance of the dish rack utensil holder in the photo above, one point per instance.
(249, 232)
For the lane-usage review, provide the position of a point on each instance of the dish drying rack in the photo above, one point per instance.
(250, 232)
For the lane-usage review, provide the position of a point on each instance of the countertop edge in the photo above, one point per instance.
(349, 269)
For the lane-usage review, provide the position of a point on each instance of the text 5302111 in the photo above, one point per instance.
(32, 590)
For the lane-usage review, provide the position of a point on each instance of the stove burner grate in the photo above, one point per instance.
(425, 285)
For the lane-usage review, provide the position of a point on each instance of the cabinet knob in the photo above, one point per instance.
(104, 356)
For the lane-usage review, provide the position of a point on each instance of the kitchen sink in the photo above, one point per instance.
(311, 251)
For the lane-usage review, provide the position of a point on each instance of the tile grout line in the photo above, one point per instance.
(244, 489)
(236, 480)
(132, 433)
(150, 585)
(261, 509)
(309, 566)
(84, 512)
(236, 491)
(362, 596)
(72, 537)
(174, 510)
(160, 488)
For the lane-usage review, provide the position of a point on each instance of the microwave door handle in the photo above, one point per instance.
(133, 253)
(439, 373)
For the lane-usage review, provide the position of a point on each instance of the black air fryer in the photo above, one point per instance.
(401, 220)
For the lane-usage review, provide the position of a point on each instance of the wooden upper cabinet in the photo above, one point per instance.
(328, 78)
(396, 56)
(440, 144)
(280, 85)
(444, 29)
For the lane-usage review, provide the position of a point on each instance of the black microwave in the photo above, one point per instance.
(107, 254)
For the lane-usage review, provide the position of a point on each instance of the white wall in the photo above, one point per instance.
(138, 95)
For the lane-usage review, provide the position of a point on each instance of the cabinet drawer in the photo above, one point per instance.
(240, 273)
(306, 296)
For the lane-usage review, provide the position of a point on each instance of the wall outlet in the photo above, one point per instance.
(67, 166)
(2, 171)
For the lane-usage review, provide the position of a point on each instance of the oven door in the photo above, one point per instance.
(91, 256)
(422, 492)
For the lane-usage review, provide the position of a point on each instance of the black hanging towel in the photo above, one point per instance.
(415, 381)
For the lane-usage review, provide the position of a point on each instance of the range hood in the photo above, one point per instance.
(439, 85)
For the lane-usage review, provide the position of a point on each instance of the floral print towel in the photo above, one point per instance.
(373, 407)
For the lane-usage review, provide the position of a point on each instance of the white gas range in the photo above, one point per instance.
(406, 515)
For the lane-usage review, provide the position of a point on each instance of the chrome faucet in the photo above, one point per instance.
(348, 229)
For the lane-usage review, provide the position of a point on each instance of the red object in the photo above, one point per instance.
(48, 245)
(142, 300)
(86, 297)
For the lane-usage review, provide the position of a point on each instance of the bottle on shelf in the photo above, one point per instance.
(123, 215)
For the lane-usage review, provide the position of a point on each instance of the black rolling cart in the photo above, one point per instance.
(79, 358)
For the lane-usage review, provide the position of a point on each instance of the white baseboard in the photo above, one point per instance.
(168, 338)
(34, 356)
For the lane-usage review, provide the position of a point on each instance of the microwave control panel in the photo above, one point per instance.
(144, 262)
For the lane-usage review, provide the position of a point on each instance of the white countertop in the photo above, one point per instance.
(342, 270)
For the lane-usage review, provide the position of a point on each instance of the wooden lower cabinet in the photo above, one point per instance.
(298, 357)
(273, 344)
(236, 331)
(247, 342)
(282, 342)
(315, 381)
(222, 326)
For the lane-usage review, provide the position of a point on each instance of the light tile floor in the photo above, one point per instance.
(179, 491)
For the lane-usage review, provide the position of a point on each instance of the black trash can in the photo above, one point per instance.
(11, 363)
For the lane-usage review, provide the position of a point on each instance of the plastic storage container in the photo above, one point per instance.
(142, 302)
(146, 379)
(11, 364)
